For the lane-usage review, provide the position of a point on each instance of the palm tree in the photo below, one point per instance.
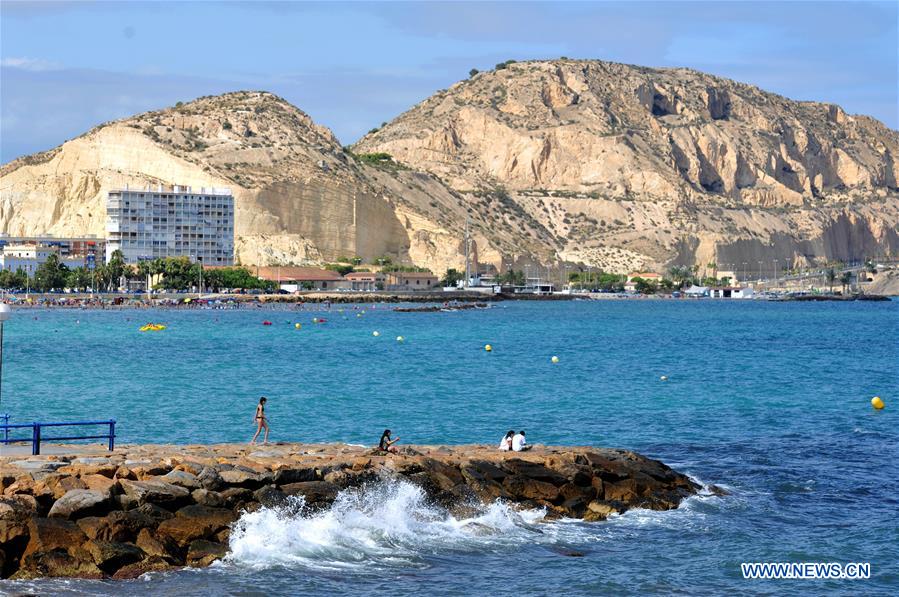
(714, 267)
(831, 275)
(846, 280)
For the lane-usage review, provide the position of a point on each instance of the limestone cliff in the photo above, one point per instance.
(299, 197)
(628, 167)
(583, 162)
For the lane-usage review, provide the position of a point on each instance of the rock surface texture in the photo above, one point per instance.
(626, 167)
(588, 162)
(173, 506)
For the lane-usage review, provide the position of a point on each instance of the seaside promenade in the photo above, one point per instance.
(80, 512)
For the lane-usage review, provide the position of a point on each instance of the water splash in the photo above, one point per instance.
(384, 525)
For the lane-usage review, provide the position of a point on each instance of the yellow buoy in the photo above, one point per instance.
(877, 403)
(555, 359)
(358, 314)
(298, 326)
(399, 338)
(488, 348)
(664, 378)
(315, 320)
(376, 333)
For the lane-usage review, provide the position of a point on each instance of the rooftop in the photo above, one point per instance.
(295, 274)
(175, 189)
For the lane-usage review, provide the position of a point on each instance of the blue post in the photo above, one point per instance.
(111, 434)
(5, 418)
(36, 439)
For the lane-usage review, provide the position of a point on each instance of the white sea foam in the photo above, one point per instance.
(385, 525)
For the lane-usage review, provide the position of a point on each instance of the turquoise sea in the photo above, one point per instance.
(768, 399)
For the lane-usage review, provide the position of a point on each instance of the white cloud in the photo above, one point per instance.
(32, 64)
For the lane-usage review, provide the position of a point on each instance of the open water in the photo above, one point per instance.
(770, 400)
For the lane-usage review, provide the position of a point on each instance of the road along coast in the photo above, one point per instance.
(146, 508)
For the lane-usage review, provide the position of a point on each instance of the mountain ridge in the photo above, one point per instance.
(583, 162)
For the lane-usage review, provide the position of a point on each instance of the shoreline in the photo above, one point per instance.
(121, 302)
(149, 507)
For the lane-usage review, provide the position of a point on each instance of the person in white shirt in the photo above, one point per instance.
(506, 443)
(518, 442)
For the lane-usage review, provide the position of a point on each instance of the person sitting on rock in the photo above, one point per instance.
(386, 444)
(505, 444)
(518, 442)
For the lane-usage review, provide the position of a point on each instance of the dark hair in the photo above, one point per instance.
(385, 434)
(510, 433)
(521, 432)
(263, 399)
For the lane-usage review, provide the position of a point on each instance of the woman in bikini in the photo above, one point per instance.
(261, 421)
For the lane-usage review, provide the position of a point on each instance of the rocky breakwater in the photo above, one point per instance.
(149, 508)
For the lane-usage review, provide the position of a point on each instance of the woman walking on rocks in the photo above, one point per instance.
(261, 421)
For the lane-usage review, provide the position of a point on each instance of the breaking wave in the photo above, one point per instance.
(390, 524)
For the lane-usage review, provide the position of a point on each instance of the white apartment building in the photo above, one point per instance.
(29, 257)
(171, 222)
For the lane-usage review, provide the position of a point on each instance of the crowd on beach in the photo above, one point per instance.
(511, 442)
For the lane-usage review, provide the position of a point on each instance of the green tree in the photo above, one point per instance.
(78, 278)
(13, 280)
(831, 275)
(473, 72)
(50, 274)
(846, 281)
(679, 274)
(115, 269)
(512, 278)
(645, 286)
(452, 277)
(341, 268)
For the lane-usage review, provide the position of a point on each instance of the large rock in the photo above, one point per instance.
(148, 564)
(157, 492)
(522, 487)
(121, 526)
(244, 478)
(209, 478)
(196, 522)
(314, 492)
(159, 546)
(47, 534)
(109, 556)
(285, 476)
(56, 563)
(202, 553)
(78, 503)
(180, 478)
(534, 470)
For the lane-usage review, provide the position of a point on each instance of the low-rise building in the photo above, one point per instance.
(630, 285)
(74, 246)
(366, 281)
(737, 292)
(410, 281)
(29, 257)
(293, 279)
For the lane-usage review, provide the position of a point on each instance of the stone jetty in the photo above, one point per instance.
(146, 508)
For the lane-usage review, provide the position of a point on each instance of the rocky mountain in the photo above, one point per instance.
(582, 162)
(628, 167)
(299, 196)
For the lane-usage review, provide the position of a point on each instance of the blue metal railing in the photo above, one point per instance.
(5, 418)
(37, 437)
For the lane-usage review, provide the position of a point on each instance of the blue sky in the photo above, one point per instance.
(67, 66)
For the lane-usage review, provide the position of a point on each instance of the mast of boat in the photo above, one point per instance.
(467, 262)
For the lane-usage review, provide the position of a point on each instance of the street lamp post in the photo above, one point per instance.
(5, 313)
(775, 273)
